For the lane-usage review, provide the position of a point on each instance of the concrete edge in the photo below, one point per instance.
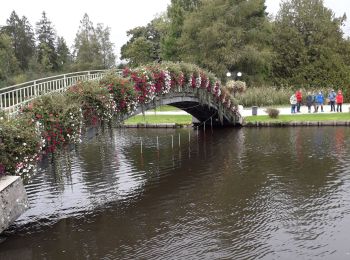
(13, 200)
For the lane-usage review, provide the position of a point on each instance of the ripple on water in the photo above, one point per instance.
(230, 194)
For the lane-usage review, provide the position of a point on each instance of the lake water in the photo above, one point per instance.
(271, 193)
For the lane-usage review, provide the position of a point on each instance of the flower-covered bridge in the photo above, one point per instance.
(184, 86)
(45, 115)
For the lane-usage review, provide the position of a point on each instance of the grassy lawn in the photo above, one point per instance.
(301, 118)
(157, 119)
(165, 108)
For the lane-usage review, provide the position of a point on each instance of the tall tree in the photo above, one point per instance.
(309, 45)
(229, 35)
(176, 14)
(8, 62)
(87, 49)
(106, 46)
(144, 43)
(46, 37)
(64, 58)
(22, 38)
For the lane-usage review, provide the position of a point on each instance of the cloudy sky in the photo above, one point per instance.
(117, 14)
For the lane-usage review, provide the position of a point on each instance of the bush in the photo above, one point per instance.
(58, 118)
(20, 146)
(235, 87)
(272, 112)
(95, 101)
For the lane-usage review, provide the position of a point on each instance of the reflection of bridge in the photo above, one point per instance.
(213, 112)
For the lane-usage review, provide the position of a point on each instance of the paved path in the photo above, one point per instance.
(287, 110)
(261, 111)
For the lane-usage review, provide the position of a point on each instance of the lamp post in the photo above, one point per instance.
(235, 76)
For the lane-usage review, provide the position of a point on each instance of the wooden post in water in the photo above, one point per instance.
(179, 140)
(189, 136)
(141, 144)
(172, 142)
(157, 144)
(197, 130)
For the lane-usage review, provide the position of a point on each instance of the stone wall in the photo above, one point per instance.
(13, 200)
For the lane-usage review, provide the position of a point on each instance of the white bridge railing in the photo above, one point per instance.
(12, 98)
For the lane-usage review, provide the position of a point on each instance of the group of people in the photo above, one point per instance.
(317, 100)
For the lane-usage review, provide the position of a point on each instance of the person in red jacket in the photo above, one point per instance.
(299, 97)
(339, 99)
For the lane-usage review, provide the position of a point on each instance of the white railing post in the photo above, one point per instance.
(35, 91)
(64, 81)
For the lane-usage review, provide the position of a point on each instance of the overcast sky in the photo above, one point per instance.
(117, 14)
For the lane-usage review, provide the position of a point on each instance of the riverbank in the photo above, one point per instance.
(286, 110)
(175, 119)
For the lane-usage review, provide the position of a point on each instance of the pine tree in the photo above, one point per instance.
(46, 36)
(87, 51)
(64, 58)
(106, 46)
(22, 38)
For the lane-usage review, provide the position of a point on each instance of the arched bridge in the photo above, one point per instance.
(191, 103)
(214, 107)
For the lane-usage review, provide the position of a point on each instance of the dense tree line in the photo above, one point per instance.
(27, 52)
(303, 46)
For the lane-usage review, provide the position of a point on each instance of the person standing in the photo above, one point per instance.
(331, 96)
(293, 102)
(314, 94)
(309, 101)
(319, 101)
(340, 100)
(299, 98)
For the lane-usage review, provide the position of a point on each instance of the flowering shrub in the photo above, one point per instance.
(236, 87)
(20, 146)
(122, 92)
(97, 104)
(59, 121)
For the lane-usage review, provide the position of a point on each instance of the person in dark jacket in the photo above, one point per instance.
(309, 101)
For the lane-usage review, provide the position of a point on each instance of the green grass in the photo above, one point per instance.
(157, 119)
(301, 118)
(165, 108)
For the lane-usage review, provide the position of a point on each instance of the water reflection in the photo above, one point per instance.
(226, 194)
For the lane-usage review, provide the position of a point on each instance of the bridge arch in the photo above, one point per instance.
(192, 104)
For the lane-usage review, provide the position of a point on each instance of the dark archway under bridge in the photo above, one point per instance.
(190, 103)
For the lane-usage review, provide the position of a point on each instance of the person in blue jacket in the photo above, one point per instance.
(319, 101)
(331, 98)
